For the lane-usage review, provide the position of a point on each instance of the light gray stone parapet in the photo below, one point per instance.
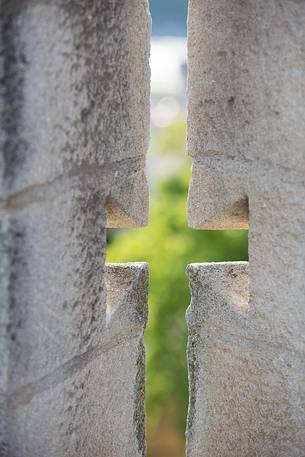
(246, 105)
(246, 391)
(75, 103)
(74, 129)
(93, 403)
(246, 135)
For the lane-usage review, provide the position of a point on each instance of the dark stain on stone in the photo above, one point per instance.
(12, 85)
(139, 409)
(231, 101)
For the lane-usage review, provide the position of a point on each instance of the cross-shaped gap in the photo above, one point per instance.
(167, 244)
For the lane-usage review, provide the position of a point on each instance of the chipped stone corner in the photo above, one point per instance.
(216, 288)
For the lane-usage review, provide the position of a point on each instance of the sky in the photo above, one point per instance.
(169, 17)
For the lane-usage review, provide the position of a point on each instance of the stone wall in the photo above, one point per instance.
(246, 135)
(74, 125)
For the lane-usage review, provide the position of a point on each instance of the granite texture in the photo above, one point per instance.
(93, 402)
(74, 130)
(246, 391)
(246, 135)
(246, 104)
(75, 100)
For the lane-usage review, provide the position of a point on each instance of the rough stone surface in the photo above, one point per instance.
(246, 391)
(93, 402)
(100, 391)
(74, 128)
(246, 103)
(246, 131)
(75, 99)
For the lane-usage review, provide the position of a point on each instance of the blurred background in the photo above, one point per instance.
(167, 244)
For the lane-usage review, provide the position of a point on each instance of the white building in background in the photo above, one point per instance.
(168, 79)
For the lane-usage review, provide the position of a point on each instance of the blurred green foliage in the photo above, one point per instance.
(168, 245)
(171, 140)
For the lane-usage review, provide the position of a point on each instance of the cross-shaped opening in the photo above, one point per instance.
(167, 244)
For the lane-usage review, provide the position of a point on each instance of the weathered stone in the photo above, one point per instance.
(75, 96)
(94, 402)
(245, 101)
(246, 394)
(246, 136)
(56, 297)
(74, 128)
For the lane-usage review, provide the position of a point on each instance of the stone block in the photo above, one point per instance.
(246, 104)
(74, 129)
(92, 404)
(246, 392)
(246, 135)
(56, 300)
(75, 99)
